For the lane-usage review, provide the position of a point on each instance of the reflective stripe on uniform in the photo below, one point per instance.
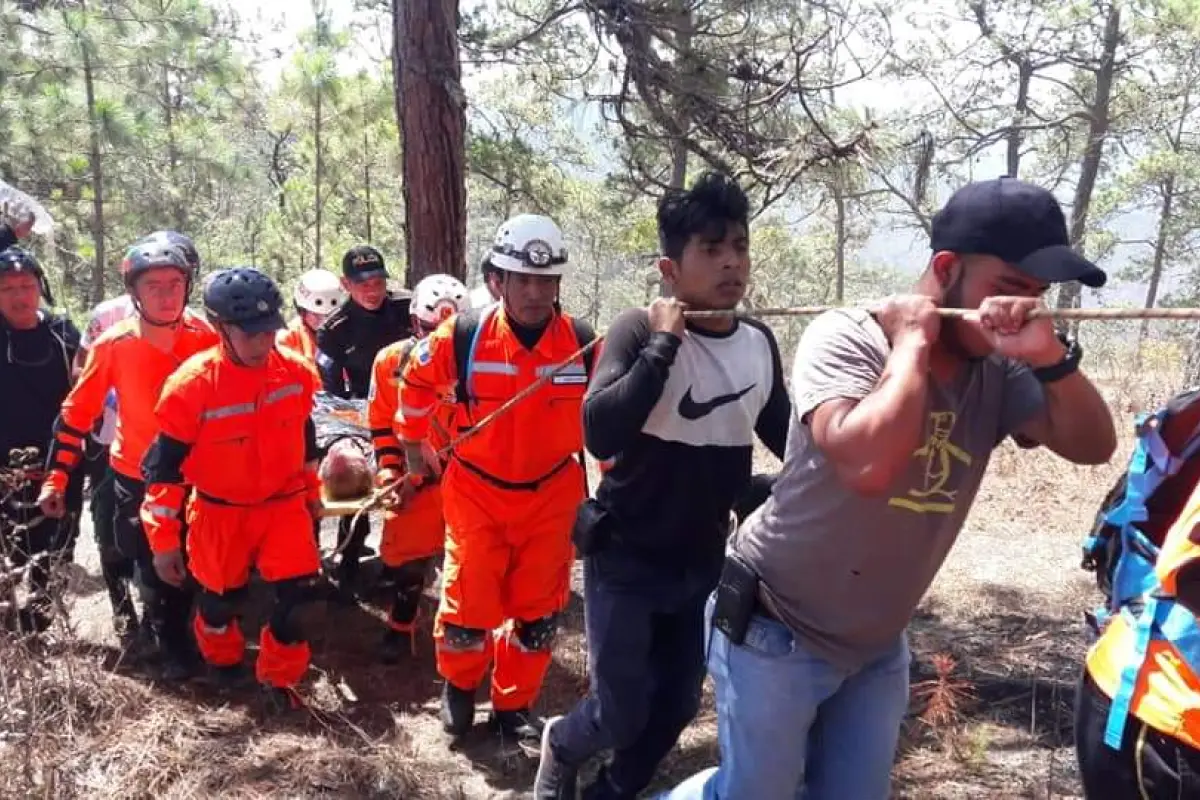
(166, 512)
(576, 370)
(410, 411)
(220, 412)
(284, 391)
(494, 368)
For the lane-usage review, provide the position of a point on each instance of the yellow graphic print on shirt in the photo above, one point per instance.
(940, 456)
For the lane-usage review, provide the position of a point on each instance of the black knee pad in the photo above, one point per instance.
(218, 610)
(290, 595)
(463, 640)
(538, 635)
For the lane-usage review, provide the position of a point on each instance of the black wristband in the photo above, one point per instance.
(1068, 365)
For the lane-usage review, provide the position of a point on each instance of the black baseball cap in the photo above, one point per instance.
(1018, 222)
(362, 263)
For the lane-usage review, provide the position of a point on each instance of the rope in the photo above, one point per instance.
(1105, 314)
(381, 495)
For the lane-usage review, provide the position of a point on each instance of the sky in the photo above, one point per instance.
(280, 21)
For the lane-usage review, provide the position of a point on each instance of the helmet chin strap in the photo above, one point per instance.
(228, 345)
(137, 306)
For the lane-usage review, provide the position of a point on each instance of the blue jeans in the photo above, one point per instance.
(792, 725)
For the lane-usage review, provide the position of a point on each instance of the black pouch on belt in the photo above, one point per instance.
(593, 527)
(737, 596)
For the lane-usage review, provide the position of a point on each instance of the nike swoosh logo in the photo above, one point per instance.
(690, 409)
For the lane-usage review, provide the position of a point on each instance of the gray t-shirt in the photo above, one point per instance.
(846, 571)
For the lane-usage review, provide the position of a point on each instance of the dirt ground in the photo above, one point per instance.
(1006, 608)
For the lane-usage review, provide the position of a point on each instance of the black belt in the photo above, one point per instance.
(208, 498)
(523, 486)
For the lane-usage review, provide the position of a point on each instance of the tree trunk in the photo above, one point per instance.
(178, 206)
(96, 163)
(367, 185)
(839, 225)
(431, 111)
(319, 174)
(1015, 137)
(1160, 253)
(1089, 168)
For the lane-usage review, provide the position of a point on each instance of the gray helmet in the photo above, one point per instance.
(245, 298)
(184, 243)
(148, 254)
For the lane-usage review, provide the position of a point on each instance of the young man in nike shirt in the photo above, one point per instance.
(674, 407)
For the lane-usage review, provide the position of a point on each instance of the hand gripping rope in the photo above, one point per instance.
(381, 496)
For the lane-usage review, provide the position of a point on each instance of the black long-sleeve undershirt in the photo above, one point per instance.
(673, 482)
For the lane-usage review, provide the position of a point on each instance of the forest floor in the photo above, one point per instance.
(1006, 609)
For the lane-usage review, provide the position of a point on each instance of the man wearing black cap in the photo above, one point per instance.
(896, 413)
(371, 320)
(347, 344)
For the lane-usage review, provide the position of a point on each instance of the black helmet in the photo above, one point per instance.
(148, 254)
(184, 243)
(15, 260)
(243, 297)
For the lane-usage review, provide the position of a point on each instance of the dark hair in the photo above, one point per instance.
(713, 202)
(486, 267)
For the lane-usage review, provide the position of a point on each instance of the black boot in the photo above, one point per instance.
(408, 582)
(458, 709)
(180, 656)
(555, 780)
(519, 724)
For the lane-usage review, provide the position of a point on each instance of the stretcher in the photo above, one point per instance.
(337, 418)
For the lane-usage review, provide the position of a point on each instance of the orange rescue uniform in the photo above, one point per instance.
(417, 529)
(1166, 696)
(245, 430)
(122, 360)
(298, 338)
(510, 494)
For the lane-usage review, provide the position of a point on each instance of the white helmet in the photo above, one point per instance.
(529, 243)
(319, 291)
(438, 297)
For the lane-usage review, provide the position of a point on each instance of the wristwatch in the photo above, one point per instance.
(1068, 364)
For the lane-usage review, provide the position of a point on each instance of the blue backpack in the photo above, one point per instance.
(1129, 530)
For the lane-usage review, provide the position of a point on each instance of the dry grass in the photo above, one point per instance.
(997, 646)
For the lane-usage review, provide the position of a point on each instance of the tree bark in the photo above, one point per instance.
(430, 109)
(1160, 254)
(1014, 138)
(96, 163)
(319, 174)
(839, 226)
(1089, 168)
(178, 207)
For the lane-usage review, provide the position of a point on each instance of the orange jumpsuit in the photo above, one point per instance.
(122, 360)
(299, 339)
(249, 456)
(417, 529)
(510, 494)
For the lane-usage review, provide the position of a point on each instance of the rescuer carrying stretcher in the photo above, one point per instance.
(510, 492)
(235, 425)
(414, 532)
